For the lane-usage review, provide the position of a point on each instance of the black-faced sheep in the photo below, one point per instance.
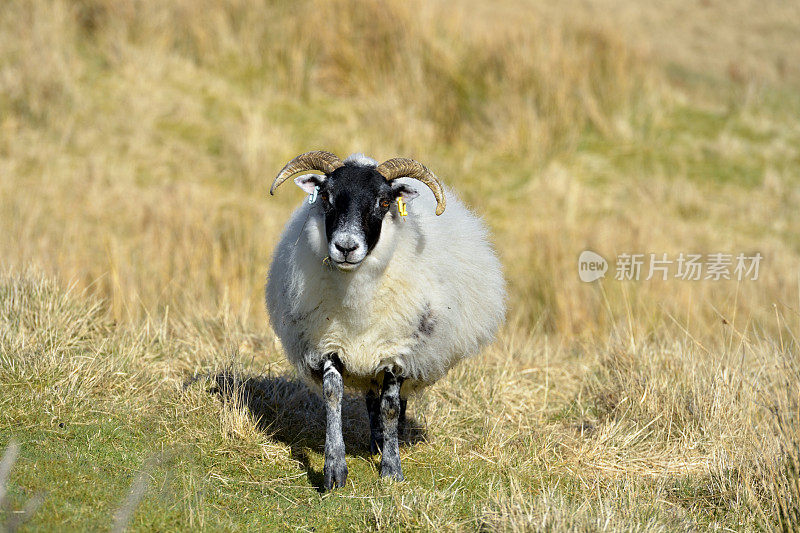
(366, 298)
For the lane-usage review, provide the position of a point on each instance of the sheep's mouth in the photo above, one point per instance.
(347, 266)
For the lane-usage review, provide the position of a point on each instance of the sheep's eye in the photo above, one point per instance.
(325, 197)
(385, 204)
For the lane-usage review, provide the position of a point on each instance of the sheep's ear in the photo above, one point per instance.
(307, 182)
(407, 192)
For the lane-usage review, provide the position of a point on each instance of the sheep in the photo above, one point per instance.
(364, 297)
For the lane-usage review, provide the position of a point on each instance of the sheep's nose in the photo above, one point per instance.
(346, 248)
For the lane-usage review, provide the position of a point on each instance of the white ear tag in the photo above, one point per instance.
(313, 196)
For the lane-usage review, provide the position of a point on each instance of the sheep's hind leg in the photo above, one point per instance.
(401, 423)
(335, 468)
(375, 430)
(390, 413)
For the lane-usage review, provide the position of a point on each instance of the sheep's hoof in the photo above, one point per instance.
(335, 473)
(392, 471)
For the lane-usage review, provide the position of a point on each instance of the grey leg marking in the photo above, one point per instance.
(390, 413)
(375, 428)
(335, 469)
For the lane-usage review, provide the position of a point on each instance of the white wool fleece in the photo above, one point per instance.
(429, 294)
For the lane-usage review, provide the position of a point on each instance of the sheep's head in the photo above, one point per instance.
(356, 195)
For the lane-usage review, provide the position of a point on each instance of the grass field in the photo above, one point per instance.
(141, 385)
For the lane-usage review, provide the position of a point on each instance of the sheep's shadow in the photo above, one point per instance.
(289, 412)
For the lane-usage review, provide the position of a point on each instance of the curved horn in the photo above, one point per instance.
(317, 160)
(401, 167)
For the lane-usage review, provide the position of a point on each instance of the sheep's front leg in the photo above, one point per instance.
(373, 402)
(335, 469)
(390, 413)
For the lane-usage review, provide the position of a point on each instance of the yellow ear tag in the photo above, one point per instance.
(401, 207)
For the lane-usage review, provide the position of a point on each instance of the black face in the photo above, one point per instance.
(355, 200)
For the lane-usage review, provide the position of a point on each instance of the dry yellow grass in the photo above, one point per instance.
(137, 142)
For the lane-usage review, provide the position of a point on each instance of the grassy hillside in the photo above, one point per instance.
(138, 372)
